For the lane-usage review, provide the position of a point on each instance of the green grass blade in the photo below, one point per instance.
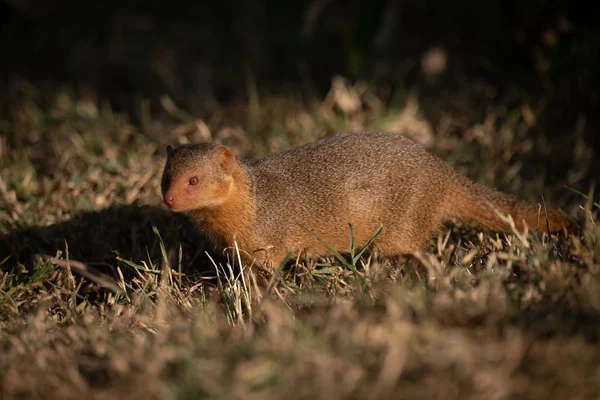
(366, 245)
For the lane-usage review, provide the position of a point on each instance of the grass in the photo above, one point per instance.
(104, 293)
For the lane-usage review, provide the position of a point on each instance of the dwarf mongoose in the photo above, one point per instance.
(363, 179)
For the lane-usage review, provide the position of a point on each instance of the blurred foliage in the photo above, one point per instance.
(196, 51)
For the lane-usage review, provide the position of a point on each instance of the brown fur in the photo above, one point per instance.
(362, 179)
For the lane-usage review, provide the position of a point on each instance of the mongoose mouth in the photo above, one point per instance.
(178, 203)
(171, 202)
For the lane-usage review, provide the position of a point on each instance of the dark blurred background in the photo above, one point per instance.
(205, 54)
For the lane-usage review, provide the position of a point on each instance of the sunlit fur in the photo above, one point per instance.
(361, 179)
(214, 186)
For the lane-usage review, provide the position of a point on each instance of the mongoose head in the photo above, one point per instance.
(197, 176)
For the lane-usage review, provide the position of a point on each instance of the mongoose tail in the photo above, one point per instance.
(474, 203)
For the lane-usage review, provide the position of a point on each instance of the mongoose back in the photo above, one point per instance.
(363, 179)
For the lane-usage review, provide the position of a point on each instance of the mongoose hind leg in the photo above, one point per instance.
(392, 246)
(275, 258)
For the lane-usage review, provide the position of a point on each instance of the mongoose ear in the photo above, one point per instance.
(226, 158)
(169, 149)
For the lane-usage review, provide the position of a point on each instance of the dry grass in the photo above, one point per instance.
(105, 294)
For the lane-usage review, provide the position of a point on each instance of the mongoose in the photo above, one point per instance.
(363, 179)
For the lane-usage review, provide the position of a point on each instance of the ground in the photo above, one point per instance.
(106, 292)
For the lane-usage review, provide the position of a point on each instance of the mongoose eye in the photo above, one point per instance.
(194, 181)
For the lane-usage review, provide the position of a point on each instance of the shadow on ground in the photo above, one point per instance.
(97, 238)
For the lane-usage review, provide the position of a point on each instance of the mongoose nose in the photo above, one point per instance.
(169, 200)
